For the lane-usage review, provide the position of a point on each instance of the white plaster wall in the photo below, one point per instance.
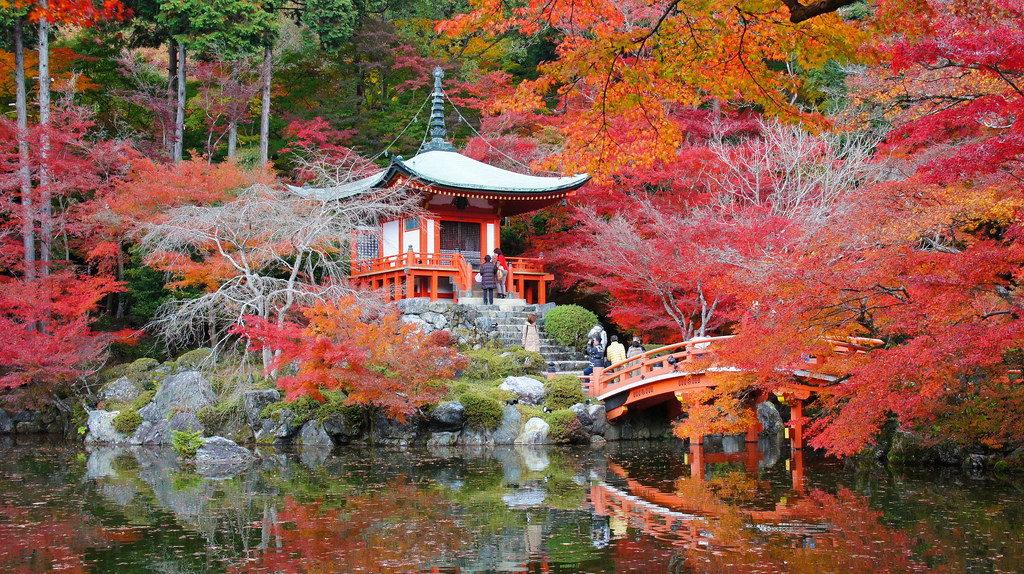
(412, 237)
(489, 247)
(391, 235)
(431, 248)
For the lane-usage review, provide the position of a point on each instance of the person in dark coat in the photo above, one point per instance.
(488, 279)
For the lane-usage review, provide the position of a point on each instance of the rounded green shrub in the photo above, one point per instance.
(569, 325)
(482, 411)
(563, 392)
(127, 422)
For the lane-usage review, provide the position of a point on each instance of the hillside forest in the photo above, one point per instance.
(786, 171)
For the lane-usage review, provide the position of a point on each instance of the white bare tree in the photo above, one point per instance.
(261, 254)
(793, 173)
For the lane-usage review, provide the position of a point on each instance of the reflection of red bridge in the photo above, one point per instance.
(671, 374)
(688, 521)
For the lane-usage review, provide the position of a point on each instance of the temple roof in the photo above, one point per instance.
(449, 170)
(438, 167)
(453, 170)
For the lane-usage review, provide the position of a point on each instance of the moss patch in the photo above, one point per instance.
(127, 422)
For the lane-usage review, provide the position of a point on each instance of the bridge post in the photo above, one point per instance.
(796, 432)
(798, 470)
(696, 459)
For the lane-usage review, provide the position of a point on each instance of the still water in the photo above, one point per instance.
(630, 507)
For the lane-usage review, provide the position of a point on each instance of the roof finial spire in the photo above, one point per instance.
(437, 131)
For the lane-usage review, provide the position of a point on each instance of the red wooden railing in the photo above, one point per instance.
(656, 362)
(412, 274)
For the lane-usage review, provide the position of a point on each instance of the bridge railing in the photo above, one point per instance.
(653, 363)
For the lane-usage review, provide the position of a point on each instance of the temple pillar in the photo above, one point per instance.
(433, 286)
(796, 431)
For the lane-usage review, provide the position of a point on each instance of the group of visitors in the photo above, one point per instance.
(492, 276)
(601, 353)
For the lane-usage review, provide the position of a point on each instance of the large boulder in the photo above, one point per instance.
(439, 439)
(448, 416)
(313, 434)
(511, 421)
(528, 390)
(6, 424)
(598, 419)
(122, 390)
(390, 431)
(221, 457)
(769, 417)
(535, 432)
(338, 428)
(253, 403)
(183, 392)
(583, 415)
(101, 428)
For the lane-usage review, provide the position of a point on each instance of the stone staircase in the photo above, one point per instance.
(509, 316)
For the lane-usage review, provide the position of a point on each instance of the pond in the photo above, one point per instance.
(624, 507)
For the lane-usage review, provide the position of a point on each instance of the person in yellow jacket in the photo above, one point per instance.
(616, 352)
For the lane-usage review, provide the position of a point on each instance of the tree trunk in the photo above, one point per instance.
(24, 168)
(179, 117)
(233, 122)
(45, 209)
(172, 87)
(268, 53)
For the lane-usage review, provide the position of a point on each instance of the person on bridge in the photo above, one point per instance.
(531, 336)
(599, 332)
(616, 352)
(635, 348)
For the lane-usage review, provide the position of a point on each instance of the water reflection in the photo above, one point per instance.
(723, 507)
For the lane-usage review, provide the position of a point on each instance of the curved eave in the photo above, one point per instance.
(344, 191)
(556, 187)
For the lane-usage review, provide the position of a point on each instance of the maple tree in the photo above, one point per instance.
(377, 359)
(622, 68)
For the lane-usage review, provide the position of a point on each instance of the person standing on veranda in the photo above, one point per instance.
(502, 277)
(488, 279)
(531, 335)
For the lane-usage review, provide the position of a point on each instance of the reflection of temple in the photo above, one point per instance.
(688, 520)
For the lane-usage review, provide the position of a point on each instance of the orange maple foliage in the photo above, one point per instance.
(624, 68)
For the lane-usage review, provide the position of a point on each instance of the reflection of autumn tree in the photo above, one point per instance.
(380, 531)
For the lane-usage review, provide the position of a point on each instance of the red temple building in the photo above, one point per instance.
(435, 255)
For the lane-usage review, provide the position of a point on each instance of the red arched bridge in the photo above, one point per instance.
(671, 374)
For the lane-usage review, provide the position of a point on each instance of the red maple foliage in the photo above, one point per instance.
(373, 356)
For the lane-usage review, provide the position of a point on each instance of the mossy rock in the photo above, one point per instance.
(566, 428)
(127, 422)
(563, 392)
(195, 359)
(482, 412)
(138, 371)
